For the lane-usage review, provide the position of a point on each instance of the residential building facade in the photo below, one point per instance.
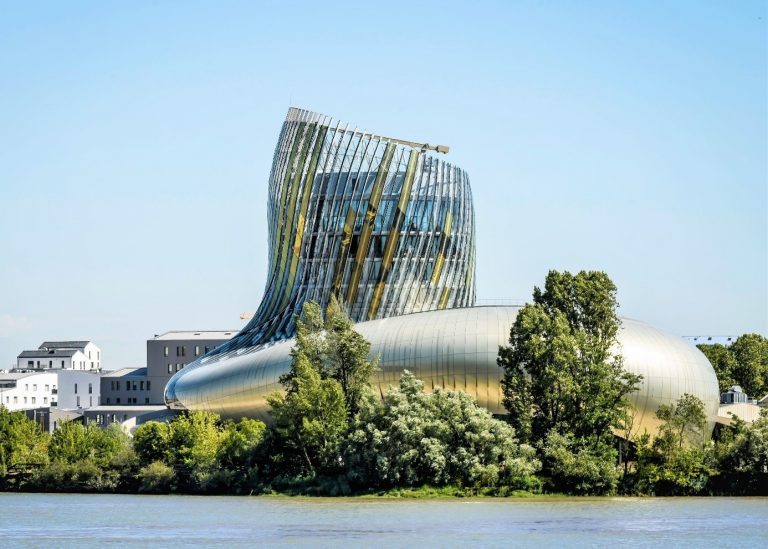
(63, 355)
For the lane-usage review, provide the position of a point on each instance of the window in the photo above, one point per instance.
(34, 386)
(50, 364)
(90, 401)
(90, 388)
(75, 388)
(91, 365)
(197, 350)
(141, 385)
(207, 349)
(62, 363)
(31, 363)
(165, 351)
(127, 385)
(146, 400)
(98, 355)
(89, 355)
(178, 367)
(78, 402)
(26, 386)
(47, 387)
(134, 385)
(178, 350)
(147, 385)
(15, 400)
(117, 400)
(170, 368)
(34, 400)
(25, 400)
(109, 400)
(45, 400)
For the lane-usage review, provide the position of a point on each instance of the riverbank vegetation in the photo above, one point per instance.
(568, 430)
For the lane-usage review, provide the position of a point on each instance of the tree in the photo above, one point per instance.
(723, 362)
(347, 356)
(675, 461)
(335, 350)
(563, 374)
(23, 443)
(239, 442)
(311, 417)
(443, 438)
(193, 444)
(751, 370)
(73, 442)
(151, 440)
(744, 363)
(683, 422)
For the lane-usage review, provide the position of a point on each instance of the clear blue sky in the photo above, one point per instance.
(136, 140)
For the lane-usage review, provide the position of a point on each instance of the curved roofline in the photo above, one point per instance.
(297, 114)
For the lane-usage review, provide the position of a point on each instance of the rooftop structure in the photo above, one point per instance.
(63, 355)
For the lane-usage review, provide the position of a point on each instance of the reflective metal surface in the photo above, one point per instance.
(389, 229)
(455, 349)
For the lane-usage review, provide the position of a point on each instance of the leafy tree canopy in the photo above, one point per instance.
(744, 363)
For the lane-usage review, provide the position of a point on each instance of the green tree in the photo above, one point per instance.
(311, 418)
(444, 438)
(744, 363)
(193, 443)
(239, 443)
(741, 458)
(73, 442)
(346, 357)
(751, 370)
(563, 374)
(334, 349)
(675, 461)
(23, 443)
(151, 441)
(723, 362)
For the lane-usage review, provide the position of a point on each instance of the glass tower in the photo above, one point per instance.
(377, 221)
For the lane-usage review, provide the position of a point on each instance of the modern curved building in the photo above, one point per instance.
(389, 229)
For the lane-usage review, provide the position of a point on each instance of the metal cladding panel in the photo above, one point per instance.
(455, 349)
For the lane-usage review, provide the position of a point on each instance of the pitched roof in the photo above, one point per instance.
(43, 353)
(63, 344)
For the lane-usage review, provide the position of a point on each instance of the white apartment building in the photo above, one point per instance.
(63, 355)
(24, 391)
(78, 390)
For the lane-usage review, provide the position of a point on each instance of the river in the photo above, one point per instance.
(64, 520)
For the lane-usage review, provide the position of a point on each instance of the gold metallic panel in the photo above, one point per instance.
(444, 295)
(443, 245)
(394, 234)
(289, 215)
(370, 215)
(346, 238)
(301, 223)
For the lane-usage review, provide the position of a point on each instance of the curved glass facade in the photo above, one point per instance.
(386, 227)
(389, 229)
